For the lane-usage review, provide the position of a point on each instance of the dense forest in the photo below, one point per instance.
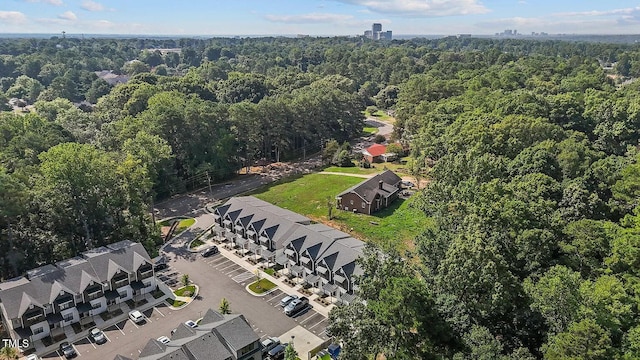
(530, 149)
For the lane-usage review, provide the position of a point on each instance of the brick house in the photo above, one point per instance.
(371, 195)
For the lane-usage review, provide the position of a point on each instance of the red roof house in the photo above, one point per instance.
(373, 153)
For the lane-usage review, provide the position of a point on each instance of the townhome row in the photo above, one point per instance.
(320, 255)
(217, 336)
(51, 297)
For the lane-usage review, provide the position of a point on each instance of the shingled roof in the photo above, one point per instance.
(44, 284)
(384, 184)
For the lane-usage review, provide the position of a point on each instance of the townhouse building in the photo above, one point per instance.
(49, 298)
(220, 337)
(318, 254)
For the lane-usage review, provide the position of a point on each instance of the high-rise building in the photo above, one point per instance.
(376, 33)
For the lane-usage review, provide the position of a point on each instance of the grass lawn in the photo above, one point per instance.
(369, 130)
(195, 244)
(306, 195)
(175, 303)
(397, 225)
(270, 271)
(353, 170)
(186, 291)
(380, 115)
(261, 286)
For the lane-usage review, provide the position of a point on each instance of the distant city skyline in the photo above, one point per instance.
(319, 17)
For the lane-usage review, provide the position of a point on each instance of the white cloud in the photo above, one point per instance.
(316, 18)
(92, 6)
(12, 17)
(51, 2)
(613, 12)
(68, 15)
(422, 8)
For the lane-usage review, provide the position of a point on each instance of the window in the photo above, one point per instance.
(96, 306)
(65, 305)
(350, 202)
(363, 204)
(68, 317)
(123, 294)
(38, 330)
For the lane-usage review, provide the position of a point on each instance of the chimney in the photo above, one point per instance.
(380, 184)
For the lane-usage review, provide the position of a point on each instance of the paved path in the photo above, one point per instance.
(383, 127)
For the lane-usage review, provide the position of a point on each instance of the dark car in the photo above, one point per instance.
(277, 353)
(67, 350)
(210, 251)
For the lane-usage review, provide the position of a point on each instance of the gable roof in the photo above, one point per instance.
(376, 150)
(217, 337)
(383, 184)
(44, 284)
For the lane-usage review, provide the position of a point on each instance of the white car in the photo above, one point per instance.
(190, 323)
(33, 357)
(136, 316)
(163, 339)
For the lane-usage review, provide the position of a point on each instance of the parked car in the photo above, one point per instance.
(163, 339)
(32, 357)
(136, 316)
(407, 184)
(98, 336)
(67, 350)
(210, 251)
(190, 323)
(277, 353)
(296, 305)
(287, 299)
(268, 344)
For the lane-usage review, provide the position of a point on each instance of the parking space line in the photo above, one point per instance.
(223, 264)
(148, 318)
(227, 267)
(232, 271)
(76, 349)
(275, 296)
(91, 342)
(305, 320)
(309, 328)
(158, 310)
(105, 335)
(59, 355)
(118, 327)
(134, 324)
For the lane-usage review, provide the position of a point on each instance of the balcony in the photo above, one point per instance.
(32, 318)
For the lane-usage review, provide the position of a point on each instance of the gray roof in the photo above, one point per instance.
(153, 347)
(207, 347)
(217, 337)
(120, 357)
(369, 188)
(44, 284)
(237, 332)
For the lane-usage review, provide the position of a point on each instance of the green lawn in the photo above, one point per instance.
(353, 170)
(369, 130)
(380, 115)
(397, 225)
(261, 286)
(175, 303)
(306, 195)
(186, 291)
(195, 244)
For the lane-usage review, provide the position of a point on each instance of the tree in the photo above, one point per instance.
(184, 280)
(290, 352)
(9, 353)
(556, 296)
(224, 307)
(395, 148)
(584, 340)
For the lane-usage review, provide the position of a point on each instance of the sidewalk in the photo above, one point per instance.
(323, 310)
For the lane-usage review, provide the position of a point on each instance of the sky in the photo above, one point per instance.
(318, 17)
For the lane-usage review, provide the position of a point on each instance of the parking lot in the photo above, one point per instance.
(218, 277)
(309, 318)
